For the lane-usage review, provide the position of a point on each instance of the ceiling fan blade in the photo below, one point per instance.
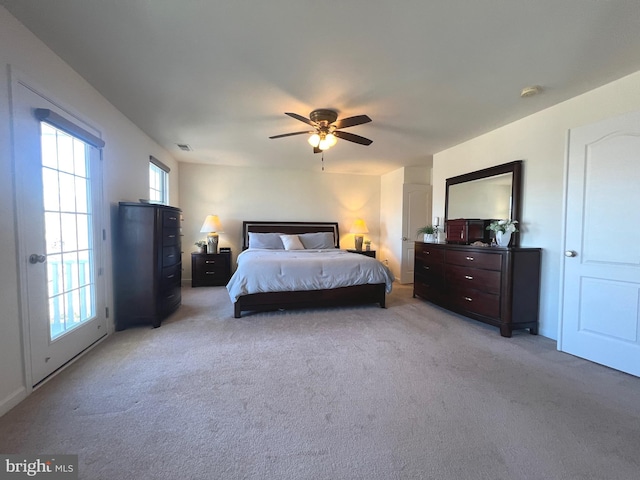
(290, 134)
(301, 118)
(350, 137)
(352, 121)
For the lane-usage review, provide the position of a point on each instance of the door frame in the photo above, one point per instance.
(408, 245)
(563, 239)
(17, 80)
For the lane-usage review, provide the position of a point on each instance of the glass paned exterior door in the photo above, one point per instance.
(68, 230)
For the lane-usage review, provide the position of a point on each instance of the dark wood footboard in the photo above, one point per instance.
(355, 295)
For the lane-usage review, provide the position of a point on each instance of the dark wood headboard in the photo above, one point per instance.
(290, 228)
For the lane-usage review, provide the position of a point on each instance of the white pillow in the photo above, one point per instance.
(291, 242)
(319, 240)
(269, 241)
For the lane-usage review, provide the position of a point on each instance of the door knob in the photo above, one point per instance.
(404, 239)
(35, 258)
(570, 253)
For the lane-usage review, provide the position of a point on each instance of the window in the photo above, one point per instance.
(158, 181)
(68, 228)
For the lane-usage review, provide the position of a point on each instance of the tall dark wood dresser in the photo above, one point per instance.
(148, 264)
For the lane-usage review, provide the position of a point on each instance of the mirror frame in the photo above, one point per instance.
(515, 168)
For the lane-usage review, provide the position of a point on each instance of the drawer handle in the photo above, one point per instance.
(171, 276)
(426, 252)
(209, 273)
(468, 277)
(171, 255)
(470, 259)
(172, 295)
(468, 299)
(172, 236)
(209, 261)
(173, 218)
(425, 267)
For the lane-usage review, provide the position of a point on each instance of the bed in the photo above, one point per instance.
(310, 271)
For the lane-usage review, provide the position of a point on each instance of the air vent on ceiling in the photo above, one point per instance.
(184, 147)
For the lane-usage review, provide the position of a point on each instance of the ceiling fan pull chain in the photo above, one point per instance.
(323, 160)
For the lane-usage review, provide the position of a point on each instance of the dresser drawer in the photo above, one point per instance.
(212, 262)
(170, 277)
(170, 219)
(489, 261)
(170, 255)
(425, 251)
(169, 300)
(474, 278)
(213, 277)
(170, 236)
(475, 301)
(423, 269)
(431, 291)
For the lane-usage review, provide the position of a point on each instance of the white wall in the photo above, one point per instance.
(391, 218)
(539, 140)
(236, 194)
(392, 212)
(125, 168)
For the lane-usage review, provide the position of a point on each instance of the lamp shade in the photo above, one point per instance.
(314, 140)
(359, 226)
(211, 224)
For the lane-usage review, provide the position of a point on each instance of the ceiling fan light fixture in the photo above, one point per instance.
(331, 139)
(327, 141)
(327, 130)
(314, 140)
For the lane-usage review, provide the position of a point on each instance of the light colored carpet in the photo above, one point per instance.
(407, 392)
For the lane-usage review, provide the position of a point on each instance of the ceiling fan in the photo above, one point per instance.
(326, 130)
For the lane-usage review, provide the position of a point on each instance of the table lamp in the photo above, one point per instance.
(212, 227)
(359, 227)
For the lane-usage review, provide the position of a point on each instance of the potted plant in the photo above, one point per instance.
(430, 233)
(202, 246)
(503, 230)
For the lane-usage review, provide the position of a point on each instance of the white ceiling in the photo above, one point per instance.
(219, 75)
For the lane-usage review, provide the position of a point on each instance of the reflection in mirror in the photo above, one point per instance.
(489, 194)
(485, 198)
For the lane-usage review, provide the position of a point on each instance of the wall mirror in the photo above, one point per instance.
(490, 193)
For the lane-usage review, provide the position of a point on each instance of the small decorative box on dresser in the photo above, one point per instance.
(148, 264)
(466, 231)
(498, 286)
(210, 269)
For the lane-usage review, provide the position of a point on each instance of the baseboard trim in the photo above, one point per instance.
(12, 400)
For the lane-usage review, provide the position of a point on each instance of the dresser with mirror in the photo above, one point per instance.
(496, 285)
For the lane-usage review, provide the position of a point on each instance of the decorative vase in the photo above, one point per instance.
(429, 238)
(503, 238)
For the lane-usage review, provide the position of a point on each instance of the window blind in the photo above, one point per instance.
(61, 123)
(159, 164)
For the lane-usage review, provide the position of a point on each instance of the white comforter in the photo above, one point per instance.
(291, 270)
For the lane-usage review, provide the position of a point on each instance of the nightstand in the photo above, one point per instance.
(368, 253)
(210, 269)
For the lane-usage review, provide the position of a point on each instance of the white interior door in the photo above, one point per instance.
(601, 304)
(58, 197)
(416, 210)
